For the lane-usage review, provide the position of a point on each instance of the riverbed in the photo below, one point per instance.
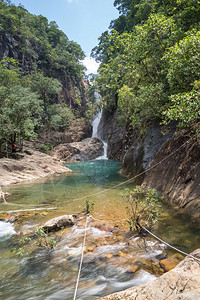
(109, 250)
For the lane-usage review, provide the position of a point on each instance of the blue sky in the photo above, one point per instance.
(83, 21)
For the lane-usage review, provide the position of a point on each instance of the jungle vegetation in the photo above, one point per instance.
(150, 62)
(40, 76)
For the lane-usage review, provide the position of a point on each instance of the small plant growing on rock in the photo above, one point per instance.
(20, 250)
(43, 239)
(89, 206)
(39, 238)
(142, 207)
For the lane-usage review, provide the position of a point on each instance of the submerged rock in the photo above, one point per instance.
(169, 263)
(59, 223)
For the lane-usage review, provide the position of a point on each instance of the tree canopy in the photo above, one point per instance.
(150, 63)
(41, 76)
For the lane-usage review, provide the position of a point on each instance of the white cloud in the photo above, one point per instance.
(91, 65)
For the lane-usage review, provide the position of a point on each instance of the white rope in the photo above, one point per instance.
(178, 250)
(81, 261)
(156, 237)
(113, 187)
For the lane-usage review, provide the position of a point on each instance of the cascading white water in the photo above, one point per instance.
(95, 134)
(6, 230)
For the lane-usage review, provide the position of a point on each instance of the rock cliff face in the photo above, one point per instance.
(12, 46)
(126, 145)
(140, 155)
(176, 177)
(113, 134)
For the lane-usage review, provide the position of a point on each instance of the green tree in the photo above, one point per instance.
(48, 90)
(142, 207)
(61, 116)
(150, 62)
(184, 108)
(19, 114)
(183, 63)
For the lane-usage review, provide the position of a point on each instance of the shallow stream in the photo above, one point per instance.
(109, 251)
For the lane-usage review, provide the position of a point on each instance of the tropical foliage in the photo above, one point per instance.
(150, 62)
(40, 79)
(142, 207)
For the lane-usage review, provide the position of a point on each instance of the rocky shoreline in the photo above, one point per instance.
(31, 166)
(183, 282)
(177, 282)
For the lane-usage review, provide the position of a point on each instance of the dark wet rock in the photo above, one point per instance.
(177, 177)
(141, 152)
(59, 223)
(113, 133)
(132, 268)
(87, 149)
(183, 282)
(125, 144)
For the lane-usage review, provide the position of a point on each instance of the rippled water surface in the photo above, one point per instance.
(52, 274)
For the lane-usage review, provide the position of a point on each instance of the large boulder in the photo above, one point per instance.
(183, 282)
(58, 223)
(87, 149)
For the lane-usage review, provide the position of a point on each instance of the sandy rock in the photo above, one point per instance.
(31, 167)
(59, 223)
(183, 282)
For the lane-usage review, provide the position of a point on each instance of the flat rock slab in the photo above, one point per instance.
(58, 223)
(183, 282)
(32, 166)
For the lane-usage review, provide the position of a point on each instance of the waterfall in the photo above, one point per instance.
(95, 134)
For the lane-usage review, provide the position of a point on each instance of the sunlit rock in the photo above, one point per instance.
(59, 223)
(183, 282)
(169, 263)
(87, 149)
